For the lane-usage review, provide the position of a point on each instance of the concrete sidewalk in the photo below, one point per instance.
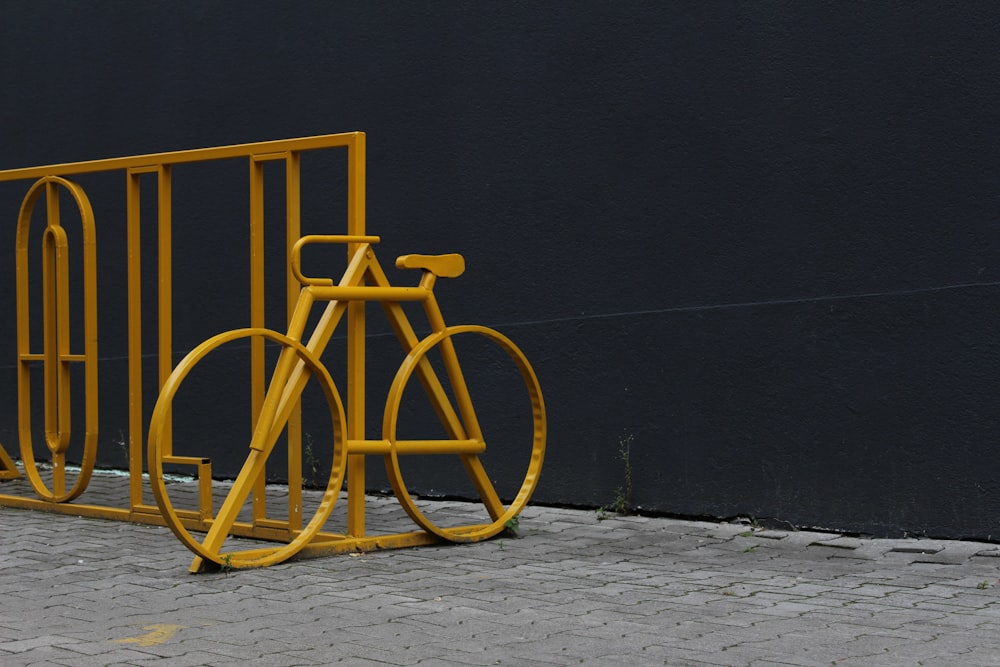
(570, 590)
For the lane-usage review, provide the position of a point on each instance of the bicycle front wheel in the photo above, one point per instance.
(206, 381)
(469, 428)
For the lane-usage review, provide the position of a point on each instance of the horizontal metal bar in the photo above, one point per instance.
(152, 510)
(373, 293)
(40, 356)
(186, 460)
(324, 544)
(333, 238)
(152, 161)
(149, 169)
(416, 447)
(269, 157)
(89, 511)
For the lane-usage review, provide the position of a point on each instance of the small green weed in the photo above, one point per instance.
(622, 502)
(620, 505)
(624, 497)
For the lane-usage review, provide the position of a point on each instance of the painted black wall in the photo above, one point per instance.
(758, 241)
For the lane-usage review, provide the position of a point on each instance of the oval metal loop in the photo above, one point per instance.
(56, 356)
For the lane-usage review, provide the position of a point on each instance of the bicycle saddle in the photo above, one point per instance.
(442, 266)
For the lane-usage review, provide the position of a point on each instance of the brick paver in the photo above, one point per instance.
(570, 590)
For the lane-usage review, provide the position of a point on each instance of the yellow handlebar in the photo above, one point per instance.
(295, 259)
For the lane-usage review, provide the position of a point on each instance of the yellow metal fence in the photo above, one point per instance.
(56, 356)
(276, 407)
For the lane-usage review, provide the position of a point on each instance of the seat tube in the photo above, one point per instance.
(356, 417)
(431, 307)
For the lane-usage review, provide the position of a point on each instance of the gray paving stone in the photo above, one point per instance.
(570, 590)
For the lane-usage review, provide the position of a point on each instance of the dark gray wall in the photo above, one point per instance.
(759, 241)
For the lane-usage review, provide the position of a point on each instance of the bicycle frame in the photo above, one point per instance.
(364, 280)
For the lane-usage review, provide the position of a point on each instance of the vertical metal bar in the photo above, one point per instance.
(205, 491)
(356, 417)
(51, 341)
(165, 262)
(293, 229)
(24, 332)
(62, 334)
(356, 344)
(356, 185)
(48, 327)
(164, 225)
(90, 335)
(259, 504)
(135, 430)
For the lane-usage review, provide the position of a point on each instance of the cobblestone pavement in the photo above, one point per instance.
(571, 589)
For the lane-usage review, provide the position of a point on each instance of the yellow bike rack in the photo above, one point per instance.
(276, 407)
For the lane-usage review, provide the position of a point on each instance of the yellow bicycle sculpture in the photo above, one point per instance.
(299, 362)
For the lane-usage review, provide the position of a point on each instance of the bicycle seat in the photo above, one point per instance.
(442, 266)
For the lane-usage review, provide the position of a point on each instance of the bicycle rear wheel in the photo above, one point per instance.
(499, 444)
(294, 360)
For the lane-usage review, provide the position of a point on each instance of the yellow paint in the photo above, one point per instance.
(159, 633)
